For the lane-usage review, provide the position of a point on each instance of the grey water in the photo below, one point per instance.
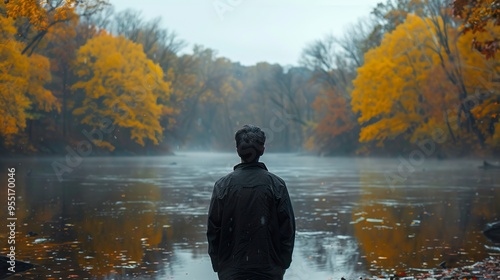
(145, 217)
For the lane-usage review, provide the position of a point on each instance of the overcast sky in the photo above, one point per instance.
(251, 31)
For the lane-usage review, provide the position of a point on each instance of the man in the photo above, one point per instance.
(251, 225)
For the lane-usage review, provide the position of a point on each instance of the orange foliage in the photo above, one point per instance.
(338, 116)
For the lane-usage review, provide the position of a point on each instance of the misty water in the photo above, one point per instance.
(145, 217)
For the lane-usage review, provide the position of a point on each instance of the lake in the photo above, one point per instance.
(145, 217)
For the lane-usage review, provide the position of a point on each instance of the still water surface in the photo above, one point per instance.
(145, 217)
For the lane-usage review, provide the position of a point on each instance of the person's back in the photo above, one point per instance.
(251, 225)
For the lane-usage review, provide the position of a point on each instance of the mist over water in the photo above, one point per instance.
(145, 217)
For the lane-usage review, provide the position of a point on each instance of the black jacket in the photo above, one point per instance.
(251, 225)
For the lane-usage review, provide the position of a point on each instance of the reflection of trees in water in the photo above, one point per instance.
(437, 217)
(91, 228)
(452, 209)
(119, 227)
(338, 255)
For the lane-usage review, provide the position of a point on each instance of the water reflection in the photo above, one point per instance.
(436, 215)
(121, 218)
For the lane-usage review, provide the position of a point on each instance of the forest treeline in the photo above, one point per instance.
(79, 77)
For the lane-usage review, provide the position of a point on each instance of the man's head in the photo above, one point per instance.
(250, 143)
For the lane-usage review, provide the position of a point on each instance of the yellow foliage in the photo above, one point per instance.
(121, 84)
(30, 9)
(482, 83)
(22, 82)
(476, 15)
(403, 89)
(388, 89)
(39, 75)
(39, 13)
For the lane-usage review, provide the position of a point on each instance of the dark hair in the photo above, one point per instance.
(250, 143)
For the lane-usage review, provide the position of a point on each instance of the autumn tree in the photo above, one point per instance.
(13, 80)
(476, 15)
(120, 89)
(388, 93)
(198, 81)
(22, 87)
(483, 85)
(420, 81)
(35, 18)
(161, 46)
(444, 28)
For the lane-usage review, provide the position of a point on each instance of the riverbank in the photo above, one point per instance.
(488, 268)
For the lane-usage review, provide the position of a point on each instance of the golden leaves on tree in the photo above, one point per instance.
(120, 85)
(476, 15)
(22, 81)
(388, 90)
(404, 92)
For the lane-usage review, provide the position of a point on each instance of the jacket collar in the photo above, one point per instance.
(244, 165)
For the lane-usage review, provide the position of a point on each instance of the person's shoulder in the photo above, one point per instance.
(278, 185)
(276, 178)
(221, 185)
(224, 180)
